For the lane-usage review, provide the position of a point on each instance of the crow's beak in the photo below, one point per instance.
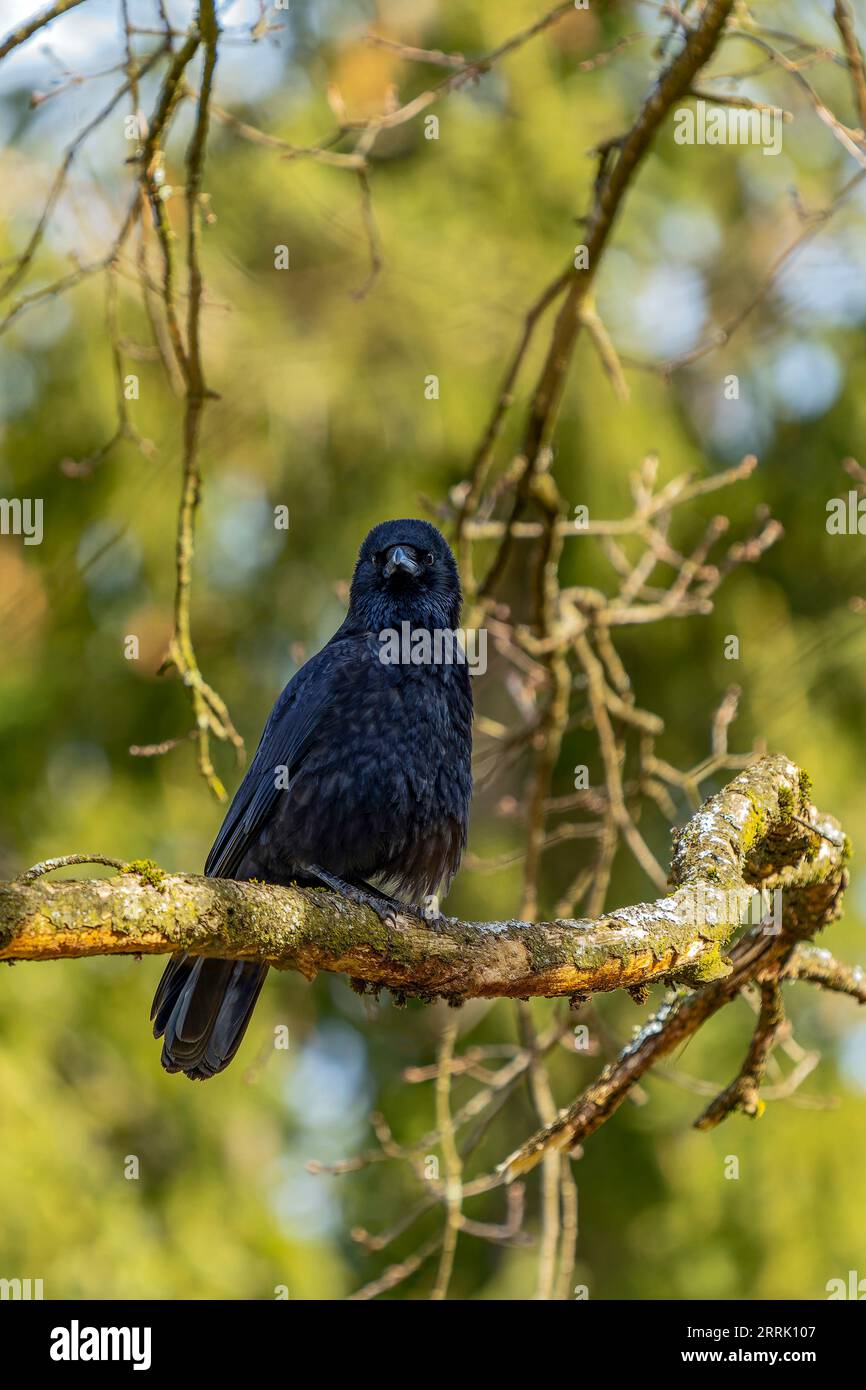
(400, 558)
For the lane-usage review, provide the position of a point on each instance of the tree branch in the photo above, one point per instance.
(745, 836)
(812, 877)
(32, 26)
(620, 161)
(844, 21)
(742, 1093)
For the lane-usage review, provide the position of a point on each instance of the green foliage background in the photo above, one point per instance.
(322, 409)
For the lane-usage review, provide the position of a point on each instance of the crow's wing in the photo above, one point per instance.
(287, 736)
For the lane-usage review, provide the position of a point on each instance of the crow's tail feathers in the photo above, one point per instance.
(201, 1009)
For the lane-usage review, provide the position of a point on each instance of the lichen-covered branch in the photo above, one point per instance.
(743, 1092)
(210, 711)
(760, 831)
(801, 854)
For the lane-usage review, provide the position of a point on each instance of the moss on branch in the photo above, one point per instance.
(749, 835)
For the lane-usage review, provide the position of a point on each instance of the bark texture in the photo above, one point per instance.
(761, 831)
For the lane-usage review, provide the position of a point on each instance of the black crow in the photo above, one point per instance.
(361, 781)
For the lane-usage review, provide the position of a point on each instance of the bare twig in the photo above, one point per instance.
(32, 26)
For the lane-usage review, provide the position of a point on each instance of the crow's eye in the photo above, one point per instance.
(429, 558)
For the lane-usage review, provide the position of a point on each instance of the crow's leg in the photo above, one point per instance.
(386, 897)
(433, 917)
(385, 908)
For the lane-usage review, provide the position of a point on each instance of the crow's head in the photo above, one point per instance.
(405, 573)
